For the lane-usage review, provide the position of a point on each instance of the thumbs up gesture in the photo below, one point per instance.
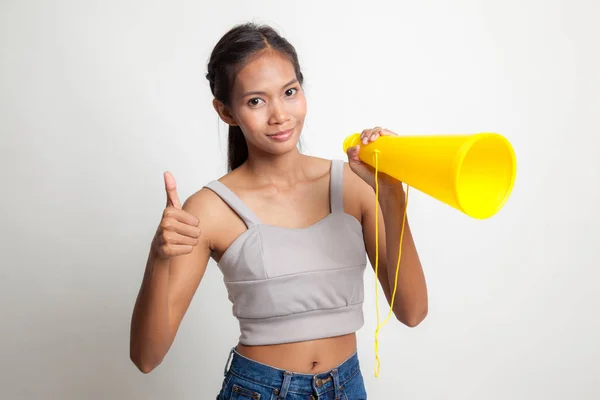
(179, 230)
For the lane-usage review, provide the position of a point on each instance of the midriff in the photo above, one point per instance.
(308, 357)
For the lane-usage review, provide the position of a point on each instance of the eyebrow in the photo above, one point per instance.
(259, 92)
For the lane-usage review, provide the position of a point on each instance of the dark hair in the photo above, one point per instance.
(234, 50)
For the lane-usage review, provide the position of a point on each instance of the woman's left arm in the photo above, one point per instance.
(411, 300)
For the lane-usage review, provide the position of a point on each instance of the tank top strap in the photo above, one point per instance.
(336, 190)
(234, 202)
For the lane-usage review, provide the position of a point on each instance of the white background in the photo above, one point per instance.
(98, 98)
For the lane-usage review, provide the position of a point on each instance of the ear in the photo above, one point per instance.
(224, 113)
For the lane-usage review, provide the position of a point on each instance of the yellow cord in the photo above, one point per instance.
(379, 326)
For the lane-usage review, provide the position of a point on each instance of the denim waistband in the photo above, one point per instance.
(292, 382)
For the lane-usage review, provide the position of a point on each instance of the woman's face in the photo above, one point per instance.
(268, 104)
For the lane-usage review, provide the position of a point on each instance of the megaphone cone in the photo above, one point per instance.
(473, 173)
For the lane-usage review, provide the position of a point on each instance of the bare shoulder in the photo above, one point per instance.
(207, 206)
(354, 184)
(357, 193)
(201, 203)
(355, 189)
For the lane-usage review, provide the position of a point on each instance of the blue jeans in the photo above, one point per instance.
(248, 379)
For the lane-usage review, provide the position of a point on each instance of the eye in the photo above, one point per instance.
(254, 102)
(291, 92)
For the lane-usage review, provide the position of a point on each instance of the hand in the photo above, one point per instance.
(365, 171)
(179, 230)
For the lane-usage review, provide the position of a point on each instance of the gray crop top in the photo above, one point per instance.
(290, 285)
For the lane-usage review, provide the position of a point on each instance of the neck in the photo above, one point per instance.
(282, 170)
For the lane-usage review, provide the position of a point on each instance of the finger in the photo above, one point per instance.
(180, 217)
(368, 135)
(171, 188)
(352, 153)
(364, 136)
(380, 132)
(186, 230)
(387, 132)
(374, 134)
(174, 238)
(177, 250)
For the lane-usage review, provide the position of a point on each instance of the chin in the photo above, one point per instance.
(282, 145)
(284, 148)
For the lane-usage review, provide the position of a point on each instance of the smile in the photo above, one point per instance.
(283, 135)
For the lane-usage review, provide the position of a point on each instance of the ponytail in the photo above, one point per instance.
(237, 148)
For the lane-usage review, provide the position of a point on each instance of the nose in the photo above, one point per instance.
(279, 114)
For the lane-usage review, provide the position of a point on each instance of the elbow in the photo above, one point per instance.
(413, 318)
(415, 321)
(145, 367)
(143, 363)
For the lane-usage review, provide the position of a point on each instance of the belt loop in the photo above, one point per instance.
(227, 363)
(336, 384)
(287, 378)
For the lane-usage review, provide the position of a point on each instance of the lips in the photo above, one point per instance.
(281, 136)
(282, 133)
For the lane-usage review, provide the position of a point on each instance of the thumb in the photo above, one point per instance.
(171, 188)
(364, 171)
(352, 154)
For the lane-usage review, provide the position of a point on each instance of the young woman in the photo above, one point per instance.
(291, 234)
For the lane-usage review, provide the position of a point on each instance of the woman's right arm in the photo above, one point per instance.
(176, 263)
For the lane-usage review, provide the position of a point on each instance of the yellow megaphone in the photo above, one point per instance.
(473, 173)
